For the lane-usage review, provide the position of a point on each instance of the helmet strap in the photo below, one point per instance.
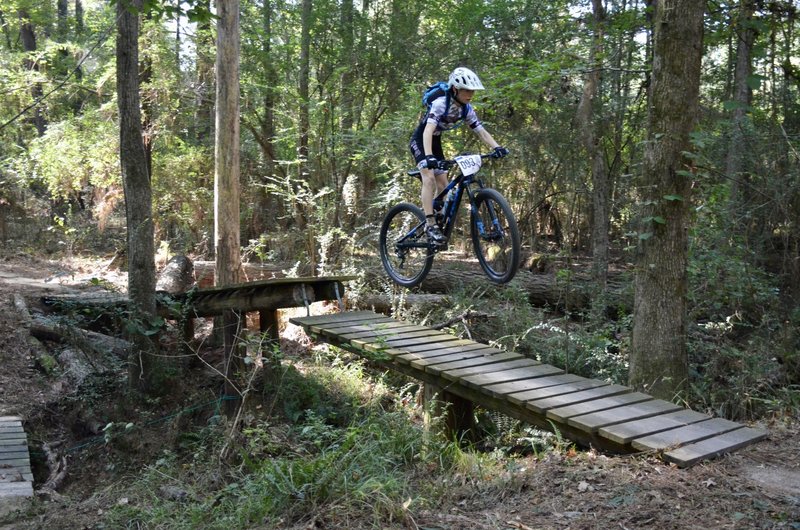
(455, 96)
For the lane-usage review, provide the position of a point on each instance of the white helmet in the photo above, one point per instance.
(465, 78)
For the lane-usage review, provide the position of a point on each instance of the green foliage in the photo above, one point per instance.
(74, 156)
(182, 191)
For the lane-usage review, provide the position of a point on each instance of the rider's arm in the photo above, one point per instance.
(486, 138)
(427, 138)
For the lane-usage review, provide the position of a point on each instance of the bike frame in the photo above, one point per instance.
(450, 209)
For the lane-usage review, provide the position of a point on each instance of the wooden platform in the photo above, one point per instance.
(590, 412)
(16, 478)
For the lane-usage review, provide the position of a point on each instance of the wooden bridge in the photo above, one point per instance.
(16, 478)
(593, 413)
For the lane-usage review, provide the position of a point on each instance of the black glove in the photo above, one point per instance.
(499, 152)
(430, 162)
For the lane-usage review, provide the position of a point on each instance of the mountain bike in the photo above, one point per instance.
(406, 253)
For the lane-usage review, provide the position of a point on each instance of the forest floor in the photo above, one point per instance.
(757, 487)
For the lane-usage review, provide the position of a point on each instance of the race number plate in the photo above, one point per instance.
(469, 164)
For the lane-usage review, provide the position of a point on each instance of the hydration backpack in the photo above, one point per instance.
(437, 90)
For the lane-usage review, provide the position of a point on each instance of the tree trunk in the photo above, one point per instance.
(590, 116)
(226, 175)
(303, 90)
(138, 196)
(658, 360)
(203, 126)
(742, 96)
(28, 38)
(78, 17)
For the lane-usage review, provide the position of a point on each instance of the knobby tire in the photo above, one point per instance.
(497, 244)
(406, 256)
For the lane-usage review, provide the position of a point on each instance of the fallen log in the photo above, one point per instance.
(87, 341)
(384, 303)
(204, 272)
(177, 276)
(565, 291)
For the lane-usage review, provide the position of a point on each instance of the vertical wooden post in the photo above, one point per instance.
(268, 324)
(459, 413)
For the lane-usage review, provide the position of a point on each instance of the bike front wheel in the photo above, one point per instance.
(405, 252)
(495, 236)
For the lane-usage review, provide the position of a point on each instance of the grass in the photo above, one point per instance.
(349, 449)
(334, 440)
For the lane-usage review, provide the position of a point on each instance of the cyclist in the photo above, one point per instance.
(426, 143)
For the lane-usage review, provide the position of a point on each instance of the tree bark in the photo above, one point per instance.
(177, 276)
(658, 360)
(303, 124)
(543, 290)
(203, 126)
(742, 96)
(590, 116)
(28, 38)
(226, 176)
(138, 196)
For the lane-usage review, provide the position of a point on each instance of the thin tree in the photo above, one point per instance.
(658, 359)
(226, 172)
(745, 35)
(590, 118)
(138, 195)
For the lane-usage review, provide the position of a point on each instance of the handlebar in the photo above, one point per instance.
(447, 164)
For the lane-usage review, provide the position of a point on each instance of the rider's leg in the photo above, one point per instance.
(429, 182)
(429, 185)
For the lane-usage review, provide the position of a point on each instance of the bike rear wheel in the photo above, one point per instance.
(405, 252)
(495, 236)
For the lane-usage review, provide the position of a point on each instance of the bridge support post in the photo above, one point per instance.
(457, 413)
(268, 323)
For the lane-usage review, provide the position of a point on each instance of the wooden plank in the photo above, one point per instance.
(564, 413)
(340, 328)
(624, 433)
(10, 418)
(16, 435)
(355, 332)
(506, 376)
(451, 348)
(20, 439)
(348, 316)
(6, 456)
(592, 422)
(500, 366)
(428, 343)
(9, 473)
(574, 398)
(15, 489)
(513, 387)
(484, 363)
(425, 361)
(461, 344)
(467, 350)
(11, 430)
(376, 323)
(379, 336)
(24, 461)
(684, 435)
(565, 384)
(713, 447)
(375, 326)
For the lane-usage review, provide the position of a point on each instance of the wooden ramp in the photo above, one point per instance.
(593, 413)
(16, 478)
